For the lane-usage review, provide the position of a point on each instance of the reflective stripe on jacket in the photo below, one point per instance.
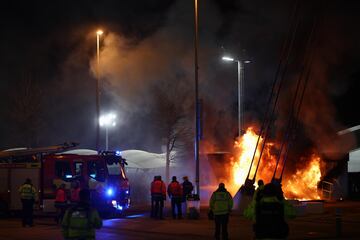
(289, 210)
(221, 202)
(80, 222)
(158, 187)
(175, 189)
(27, 191)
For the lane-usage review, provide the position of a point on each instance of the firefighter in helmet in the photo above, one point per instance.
(80, 221)
(28, 196)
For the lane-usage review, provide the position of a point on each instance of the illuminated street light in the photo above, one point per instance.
(108, 120)
(98, 34)
(240, 64)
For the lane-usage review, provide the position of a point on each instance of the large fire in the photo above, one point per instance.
(300, 185)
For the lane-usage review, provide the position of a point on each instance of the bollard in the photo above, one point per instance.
(338, 221)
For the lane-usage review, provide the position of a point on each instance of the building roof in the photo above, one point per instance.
(354, 160)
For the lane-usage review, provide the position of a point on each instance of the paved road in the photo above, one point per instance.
(137, 225)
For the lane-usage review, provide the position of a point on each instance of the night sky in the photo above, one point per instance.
(48, 51)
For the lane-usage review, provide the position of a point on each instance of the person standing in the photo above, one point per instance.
(259, 189)
(270, 212)
(187, 186)
(28, 196)
(60, 202)
(175, 193)
(74, 193)
(221, 204)
(158, 195)
(80, 221)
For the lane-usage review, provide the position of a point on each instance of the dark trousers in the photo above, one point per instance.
(176, 203)
(27, 211)
(221, 222)
(60, 211)
(157, 205)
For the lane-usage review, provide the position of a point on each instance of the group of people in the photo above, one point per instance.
(177, 193)
(78, 219)
(268, 208)
(63, 200)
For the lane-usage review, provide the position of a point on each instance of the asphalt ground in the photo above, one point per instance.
(136, 224)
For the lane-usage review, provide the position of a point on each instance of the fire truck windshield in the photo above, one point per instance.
(116, 169)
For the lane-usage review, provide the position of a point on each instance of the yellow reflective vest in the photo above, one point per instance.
(81, 222)
(221, 202)
(27, 191)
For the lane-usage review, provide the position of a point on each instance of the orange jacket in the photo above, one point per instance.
(60, 195)
(158, 187)
(175, 189)
(75, 195)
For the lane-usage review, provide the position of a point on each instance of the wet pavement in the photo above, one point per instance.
(136, 224)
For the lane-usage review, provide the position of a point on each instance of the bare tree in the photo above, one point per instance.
(171, 118)
(25, 111)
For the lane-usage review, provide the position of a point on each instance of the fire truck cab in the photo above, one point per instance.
(102, 173)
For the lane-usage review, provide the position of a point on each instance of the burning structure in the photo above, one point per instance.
(302, 184)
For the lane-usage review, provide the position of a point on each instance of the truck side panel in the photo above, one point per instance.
(4, 185)
(17, 178)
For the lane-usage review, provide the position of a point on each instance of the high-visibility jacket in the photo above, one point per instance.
(74, 197)
(80, 222)
(270, 215)
(258, 192)
(158, 188)
(60, 195)
(221, 202)
(27, 191)
(175, 189)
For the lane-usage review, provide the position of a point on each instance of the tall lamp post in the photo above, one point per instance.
(197, 112)
(108, 120)
(98, 34)
(240, 64)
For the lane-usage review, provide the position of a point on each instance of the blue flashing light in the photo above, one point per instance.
(118, 153)
(119, 207)
(127, 191)
(93, 175)
(110, 192)
(68, 176)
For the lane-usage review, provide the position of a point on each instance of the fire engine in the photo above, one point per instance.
(103, 173)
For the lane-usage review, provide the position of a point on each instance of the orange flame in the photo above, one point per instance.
(301, 185)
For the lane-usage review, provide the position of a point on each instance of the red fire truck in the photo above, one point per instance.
(103, 173)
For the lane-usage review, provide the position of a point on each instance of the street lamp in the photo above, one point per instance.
(108, 120)
(98, 34)
(197, 110)
(240, 64)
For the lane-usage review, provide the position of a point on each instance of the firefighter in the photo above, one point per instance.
(80, 221)
(221, 204)
(158, 195)
(28, 196)
(269, 214)
(175, 193)
(74, 192)
(60, 202)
